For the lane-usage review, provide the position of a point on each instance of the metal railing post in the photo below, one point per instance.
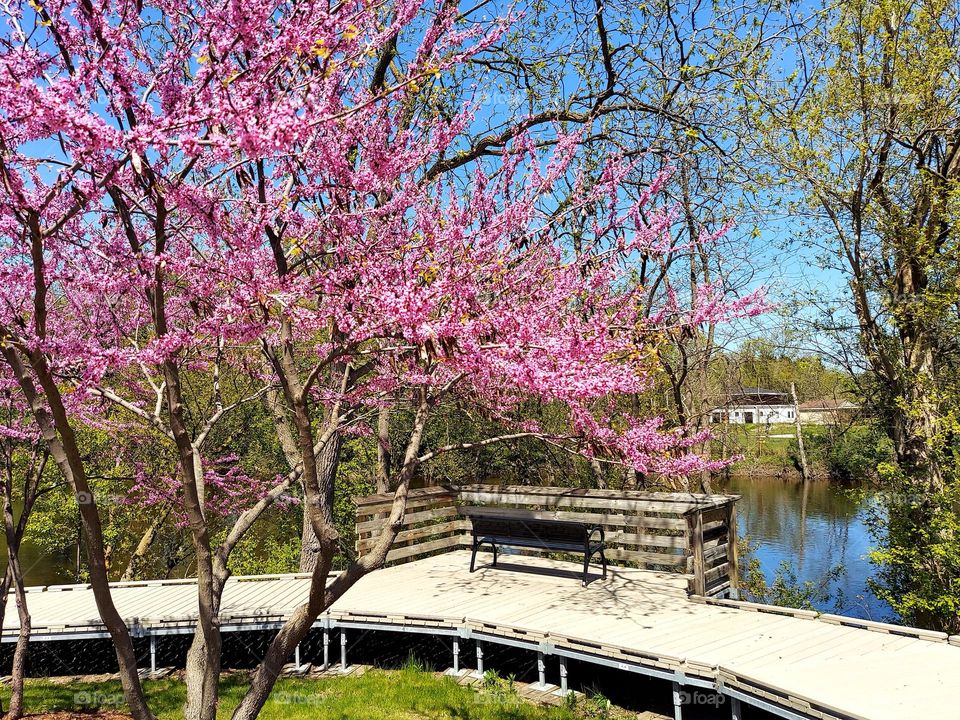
(677, 703)
(326, 649)
(735, 709)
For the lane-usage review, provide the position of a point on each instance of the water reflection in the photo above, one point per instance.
(815, 527)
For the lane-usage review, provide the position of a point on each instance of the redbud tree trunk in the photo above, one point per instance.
(51, 417)
(50, 414)
(323, 594)
(318, 478)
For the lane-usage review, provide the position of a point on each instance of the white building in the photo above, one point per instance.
(756, 406)
(828, 411)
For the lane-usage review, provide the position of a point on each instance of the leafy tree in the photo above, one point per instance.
(918, 563)
(869, 149)
(871, 140)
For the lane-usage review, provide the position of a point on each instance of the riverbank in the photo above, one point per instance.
(848, 455)
(769, 450)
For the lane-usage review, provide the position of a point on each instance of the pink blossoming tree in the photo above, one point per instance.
(194, 187)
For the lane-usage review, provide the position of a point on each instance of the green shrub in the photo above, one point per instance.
(848, 455)
(918, 555)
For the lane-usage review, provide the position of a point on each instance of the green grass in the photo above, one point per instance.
(760, 450)
(408, 694)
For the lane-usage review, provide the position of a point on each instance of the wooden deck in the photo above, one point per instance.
(639, 620)
(676, 532)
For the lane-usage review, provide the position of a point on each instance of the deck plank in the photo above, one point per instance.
(800, 662)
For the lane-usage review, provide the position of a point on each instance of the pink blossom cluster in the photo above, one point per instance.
(228, 489)
(250, 161)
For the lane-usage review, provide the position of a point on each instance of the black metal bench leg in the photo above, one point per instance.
(473, 556)
(496, 551)
(603, 559)
(586, 567)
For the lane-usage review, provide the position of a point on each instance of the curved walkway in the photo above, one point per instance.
(796, 664)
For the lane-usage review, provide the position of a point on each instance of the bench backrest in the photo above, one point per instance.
(531, 530)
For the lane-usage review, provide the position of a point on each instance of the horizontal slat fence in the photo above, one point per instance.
(675, 532)
(432, 523)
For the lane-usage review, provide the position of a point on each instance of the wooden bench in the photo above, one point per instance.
(540, 534)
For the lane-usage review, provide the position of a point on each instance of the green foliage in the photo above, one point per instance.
(491, 679)
(762, 363)
(355, 478)
(883, 213)
(786, 590)
(849, 455)
(500, 691)
(600, 705)
(54, 527)
(522, 461)
(766, 449)
(414, 664)
(918, 558)
(272, 546)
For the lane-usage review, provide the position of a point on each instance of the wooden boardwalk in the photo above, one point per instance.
(796, 664)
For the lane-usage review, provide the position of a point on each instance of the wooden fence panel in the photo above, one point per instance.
(677, 532)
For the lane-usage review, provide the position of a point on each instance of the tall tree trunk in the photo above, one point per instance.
(706, 476)
(5, 583)
(13, 530)
(202, 674)
(322, 595)
(51, 418)
(18, 670)
(798, 429)
(328, 460)
(632, 479)
(384, 451)
(203, 660)
(596, 471)
(918, 412)
(146, 542)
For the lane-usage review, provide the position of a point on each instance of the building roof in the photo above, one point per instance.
(757, 392)
(826, 404)
(756, 396)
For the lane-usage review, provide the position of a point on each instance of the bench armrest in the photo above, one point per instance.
(594, 529)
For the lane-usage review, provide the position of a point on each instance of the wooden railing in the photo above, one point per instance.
(431, 524)
(674, 532)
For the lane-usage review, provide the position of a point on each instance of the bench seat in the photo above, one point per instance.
(497, 531)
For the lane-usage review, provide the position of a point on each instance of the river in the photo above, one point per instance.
(814, 531)
(41, 568)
